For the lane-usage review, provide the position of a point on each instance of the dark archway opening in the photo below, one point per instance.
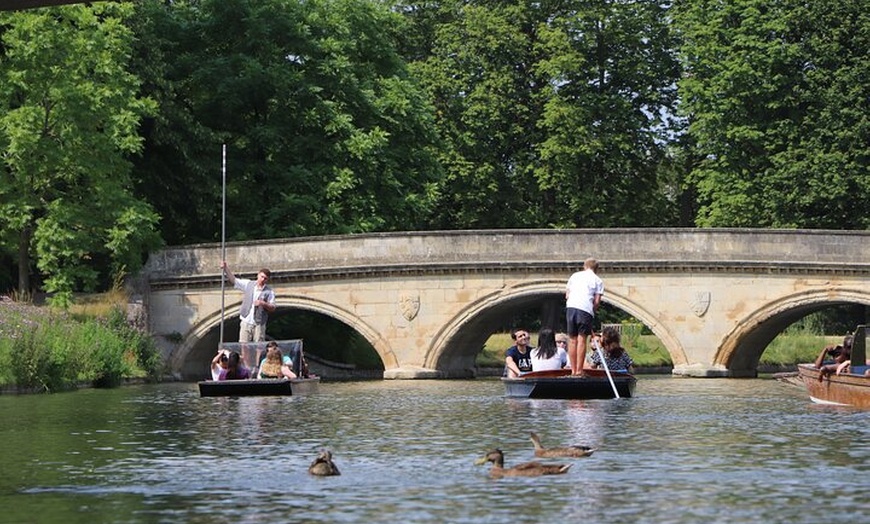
(478, 349)
(334, 350)
(795, 336)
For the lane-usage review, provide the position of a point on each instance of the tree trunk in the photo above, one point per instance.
(24, 262)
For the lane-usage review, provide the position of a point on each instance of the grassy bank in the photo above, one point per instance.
(45, 349)
(789, 348)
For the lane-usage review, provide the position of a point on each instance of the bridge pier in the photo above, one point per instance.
(702, 371)
(412, 372)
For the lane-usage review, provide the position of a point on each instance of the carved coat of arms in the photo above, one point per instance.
(410, 305)
(701, 303)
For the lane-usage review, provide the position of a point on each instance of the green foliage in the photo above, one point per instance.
(777, 92)
(326, 130)
(551, 113)
(801, 342)
(51, 351)
(69, 114)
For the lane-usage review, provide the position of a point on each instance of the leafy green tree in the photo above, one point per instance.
(610, 113)
(554, 113)
(777, 96)
(326, 130)
(479, 72)
(69, 113)
(180, 151)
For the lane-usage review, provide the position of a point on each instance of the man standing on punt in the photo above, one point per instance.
(257, 302)
(582, 298)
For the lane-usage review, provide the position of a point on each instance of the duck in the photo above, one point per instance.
(567, 451)
(323, 466)
(527, 469)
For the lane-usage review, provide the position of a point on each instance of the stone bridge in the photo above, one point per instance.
(428, 301)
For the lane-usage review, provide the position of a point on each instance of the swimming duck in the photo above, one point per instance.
(528, 469)
(323, 465)
(568, 451)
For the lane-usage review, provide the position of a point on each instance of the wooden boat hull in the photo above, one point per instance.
(258, 387)
(845, 390)
(561, 385)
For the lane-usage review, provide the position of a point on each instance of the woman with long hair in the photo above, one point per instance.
(548, 356)
(615, 356)
(235, 369)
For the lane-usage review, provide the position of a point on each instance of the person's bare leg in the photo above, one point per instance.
(581, 354)
(572, 353)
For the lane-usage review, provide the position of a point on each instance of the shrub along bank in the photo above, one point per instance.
(43, 349)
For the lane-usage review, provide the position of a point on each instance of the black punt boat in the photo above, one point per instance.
(252, 353)
(560, 384)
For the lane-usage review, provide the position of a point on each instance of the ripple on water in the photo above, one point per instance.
(683, 450)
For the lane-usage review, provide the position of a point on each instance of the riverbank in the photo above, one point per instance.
(44, 349)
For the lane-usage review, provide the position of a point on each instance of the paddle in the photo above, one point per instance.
(597, 347)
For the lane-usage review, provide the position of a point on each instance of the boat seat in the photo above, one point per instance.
(858, 370)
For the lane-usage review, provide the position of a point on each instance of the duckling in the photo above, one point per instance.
(528, 469)
(323, 465)
(568, 451)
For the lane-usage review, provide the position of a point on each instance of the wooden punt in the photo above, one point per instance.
(846, 389)
(559, 384)
(251, 354)
(258, 387)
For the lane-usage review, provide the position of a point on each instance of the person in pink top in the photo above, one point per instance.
(235, 369)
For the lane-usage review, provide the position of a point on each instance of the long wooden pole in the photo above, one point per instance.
(223, 230)
(597, 347)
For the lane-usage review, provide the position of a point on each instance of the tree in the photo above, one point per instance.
(778, 101)
(326, 130)
(68, 120)
(554, 113)
(609, 116)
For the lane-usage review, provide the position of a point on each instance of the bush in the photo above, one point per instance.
(48, 350)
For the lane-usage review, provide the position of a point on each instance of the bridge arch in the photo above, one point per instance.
(204, 331)
(379, 343)
(449, 350)
(741, 349)
(671, 343)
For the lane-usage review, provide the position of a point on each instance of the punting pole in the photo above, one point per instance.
(597, 347)
(223, 230)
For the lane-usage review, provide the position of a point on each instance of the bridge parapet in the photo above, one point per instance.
(620, 250)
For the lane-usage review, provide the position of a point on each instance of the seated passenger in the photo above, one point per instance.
(839, 354)
(235, 369)
(276, 365)
(517, 359)
(615, 356)
(548, 355)
(219, 363)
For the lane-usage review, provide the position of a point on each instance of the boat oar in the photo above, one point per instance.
(597, 347)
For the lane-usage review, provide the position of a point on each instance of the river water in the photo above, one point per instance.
(683, 450)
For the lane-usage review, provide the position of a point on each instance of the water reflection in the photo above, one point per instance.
(683, 450)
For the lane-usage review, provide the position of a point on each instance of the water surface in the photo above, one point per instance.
(684, 450)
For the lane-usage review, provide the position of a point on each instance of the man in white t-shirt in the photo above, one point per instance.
(582, 298)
